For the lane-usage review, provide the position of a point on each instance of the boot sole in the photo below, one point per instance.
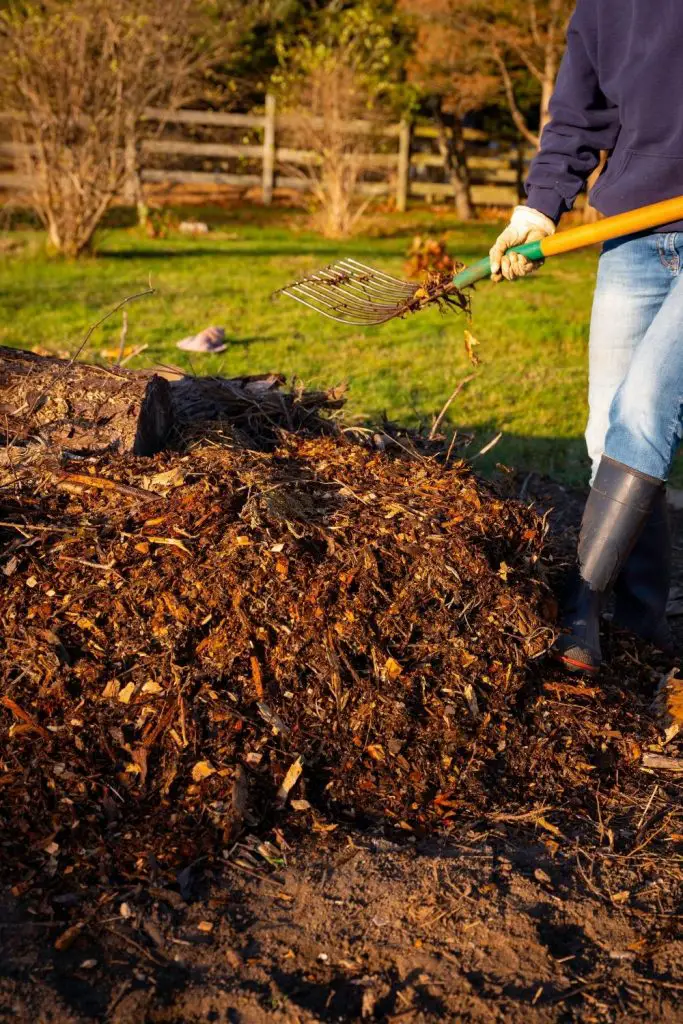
(576, 666)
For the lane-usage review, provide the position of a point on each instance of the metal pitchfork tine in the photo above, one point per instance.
(352, 293)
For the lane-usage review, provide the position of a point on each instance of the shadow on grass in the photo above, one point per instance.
(324, 253)
(492, 450)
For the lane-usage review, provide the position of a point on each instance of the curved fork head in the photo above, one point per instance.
(351, 293)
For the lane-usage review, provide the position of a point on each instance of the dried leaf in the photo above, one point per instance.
(152, 687)
(272, 718)
(69, 936)
(549, 827)
(24, 717)
(202, 770)
(621, 897)
(290, 780)
(392, 668)
(126, 693)
(470, 345)
(172, 542)
(112, 689)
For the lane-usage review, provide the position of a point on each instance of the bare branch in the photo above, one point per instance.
(516, 114)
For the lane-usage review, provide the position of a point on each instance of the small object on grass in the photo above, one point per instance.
(470, 345)
(212, 339)
(193, 227)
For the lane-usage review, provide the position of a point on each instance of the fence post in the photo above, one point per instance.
(269, 151)
(402, 180)
(132, 189)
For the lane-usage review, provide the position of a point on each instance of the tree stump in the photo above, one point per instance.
(84, 409)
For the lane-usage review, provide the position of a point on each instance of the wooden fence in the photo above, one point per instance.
(404, 162)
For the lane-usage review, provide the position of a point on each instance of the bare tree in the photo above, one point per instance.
(329, 104)
(454, 78)
(78, 76)
(344, 71)
(526, 38)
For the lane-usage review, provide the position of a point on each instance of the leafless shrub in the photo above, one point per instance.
(335, 127)
(78, 77)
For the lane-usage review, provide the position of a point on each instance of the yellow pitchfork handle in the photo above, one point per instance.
(623, 224)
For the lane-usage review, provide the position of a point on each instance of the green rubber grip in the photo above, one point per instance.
(482, 269)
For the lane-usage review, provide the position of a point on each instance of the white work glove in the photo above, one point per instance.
(526, 225)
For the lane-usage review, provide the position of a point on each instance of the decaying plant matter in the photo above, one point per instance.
(438, 289)
(193, 641)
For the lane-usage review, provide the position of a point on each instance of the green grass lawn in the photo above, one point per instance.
(531, 383)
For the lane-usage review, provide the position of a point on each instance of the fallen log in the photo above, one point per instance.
(83, 408)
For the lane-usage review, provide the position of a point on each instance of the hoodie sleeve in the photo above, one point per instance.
(582, 122)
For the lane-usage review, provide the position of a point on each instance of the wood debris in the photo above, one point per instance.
(303, 612)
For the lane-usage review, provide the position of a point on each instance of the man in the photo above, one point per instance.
(618, 89)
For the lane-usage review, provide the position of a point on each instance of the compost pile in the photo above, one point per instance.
(217, 637)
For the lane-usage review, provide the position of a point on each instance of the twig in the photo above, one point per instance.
(662, 762)
(93, 328)
(124, 334)
(42, 529)
(571, 690)
(90, 565)
(561, 997)
(101, 483)
(489, 446)
(647, 807)
(136, 945)
(136, 352)
(456, 392)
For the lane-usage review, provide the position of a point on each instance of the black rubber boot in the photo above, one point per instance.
(618, 506)
(641, 591)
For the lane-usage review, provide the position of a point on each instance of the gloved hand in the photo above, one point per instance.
(526, 225)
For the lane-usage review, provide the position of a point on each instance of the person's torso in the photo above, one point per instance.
(637, 48)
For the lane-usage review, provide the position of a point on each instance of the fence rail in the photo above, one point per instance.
(406, 162)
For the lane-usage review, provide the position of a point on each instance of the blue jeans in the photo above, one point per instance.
(636, 354)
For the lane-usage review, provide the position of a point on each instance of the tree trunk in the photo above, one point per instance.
(547, 90)
(53, 407)
(454, 155)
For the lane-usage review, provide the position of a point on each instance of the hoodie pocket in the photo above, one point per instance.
(642, 179)
(612, 173)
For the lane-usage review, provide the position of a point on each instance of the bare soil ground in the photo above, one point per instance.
(488, 927)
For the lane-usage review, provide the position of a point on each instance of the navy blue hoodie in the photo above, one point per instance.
(620, 89)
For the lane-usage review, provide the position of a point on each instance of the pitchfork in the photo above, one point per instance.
(352, 293)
